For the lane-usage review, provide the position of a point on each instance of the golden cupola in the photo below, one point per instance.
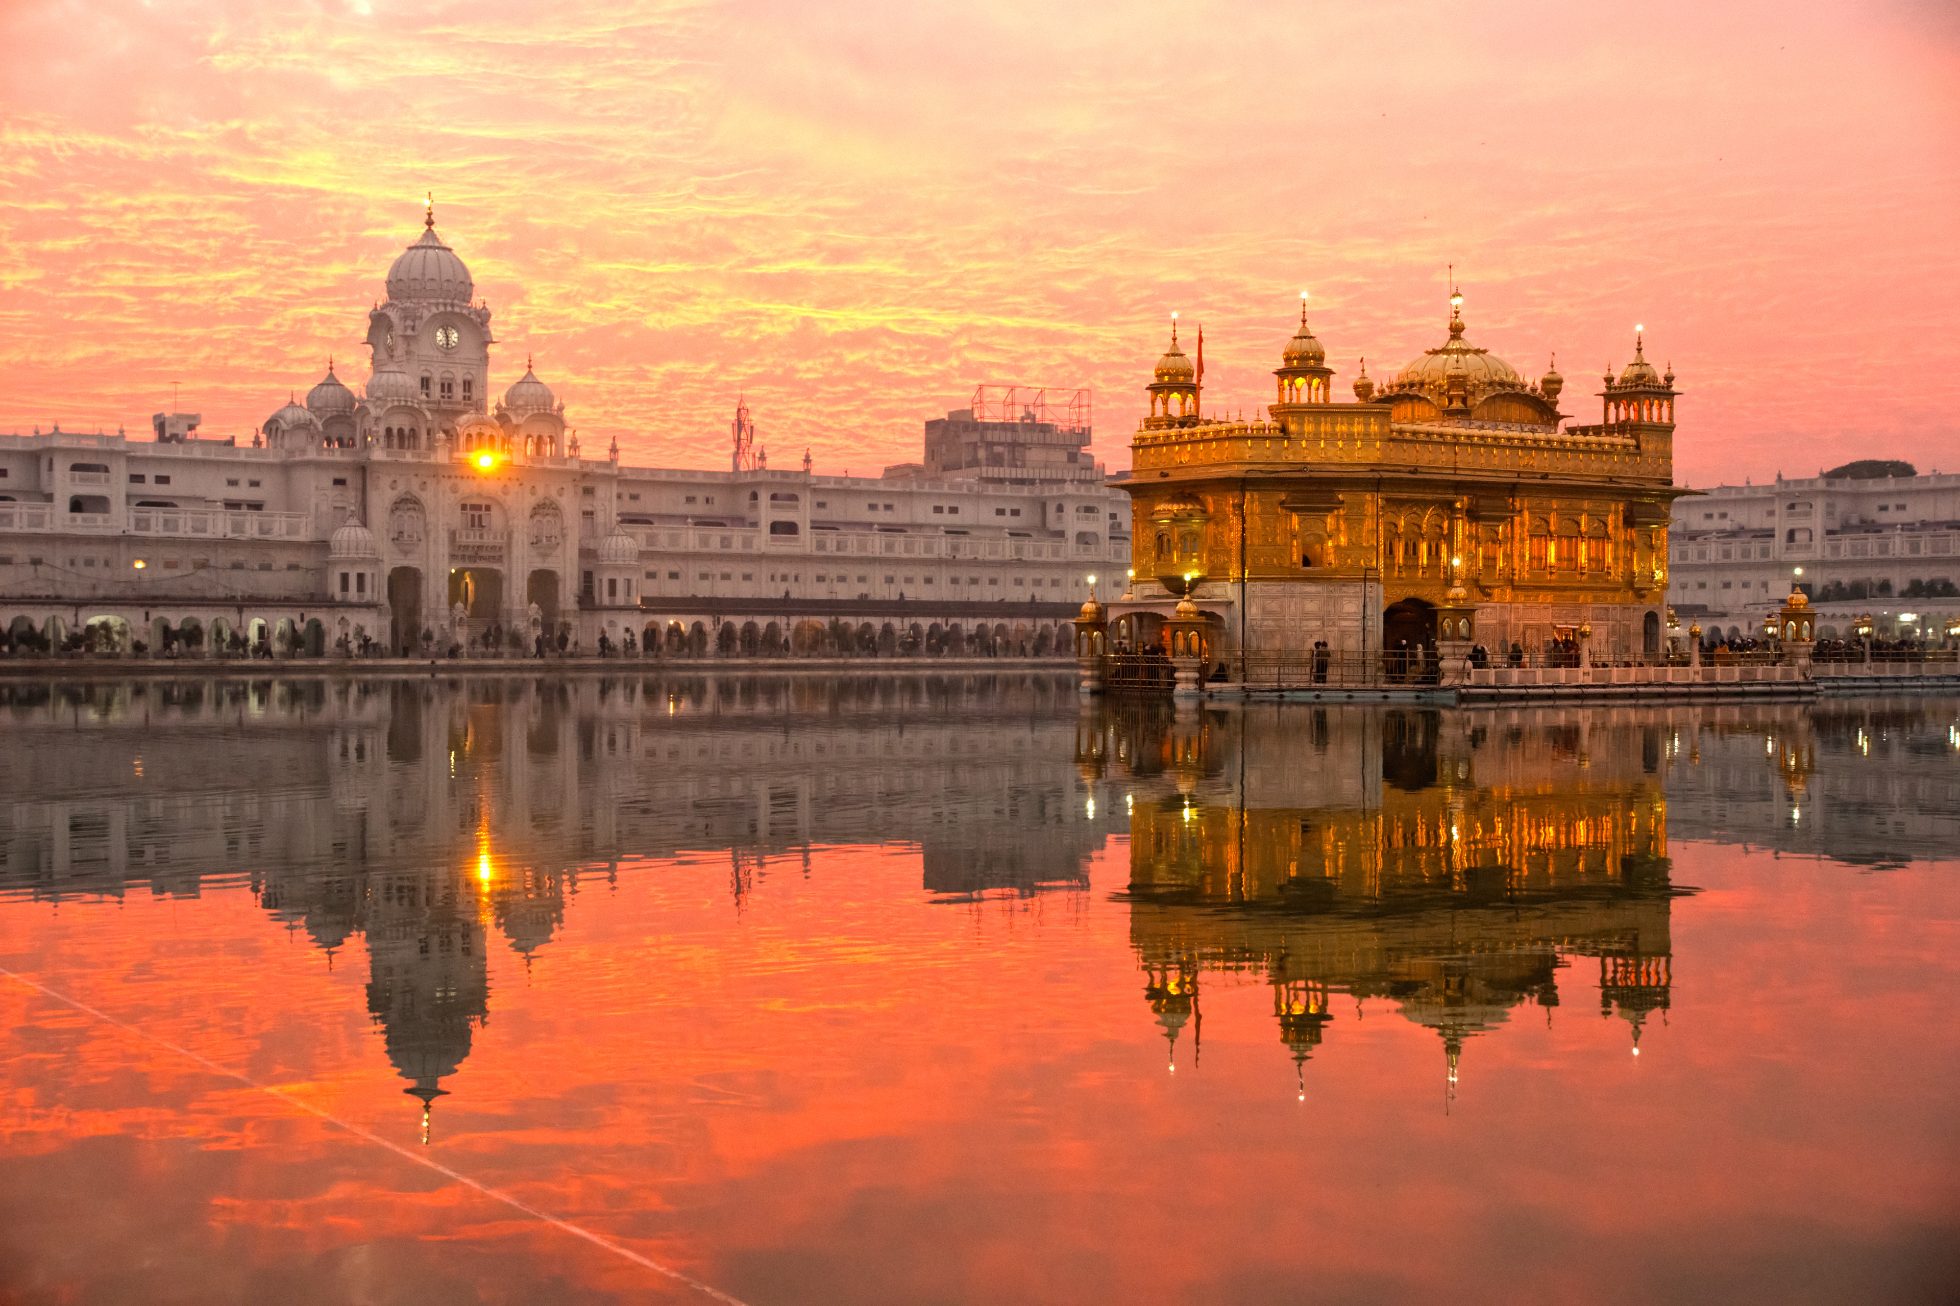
(1175, 368)
(1551, 383)
(1304, 377)
(1174, 387)
(1364, 385)
(1641, 393)
(1639, 371)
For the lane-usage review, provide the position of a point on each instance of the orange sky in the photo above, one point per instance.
(855, 213)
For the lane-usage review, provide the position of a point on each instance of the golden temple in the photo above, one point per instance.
(1447, 507)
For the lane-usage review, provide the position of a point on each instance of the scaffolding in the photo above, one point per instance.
(1067, 410)
(744, 457)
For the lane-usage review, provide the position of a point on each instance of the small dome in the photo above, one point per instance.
(1364, 385)
(290, 417)
(529, 395)
(1798, 599)
(1175, 367)
(1091, 610)
(429, 271)
(390, 386)
(352, 540)
(1640, 371)
(1551, 383)
(1303, 350)
(619, 549)
(330, 396)
(1187, 608)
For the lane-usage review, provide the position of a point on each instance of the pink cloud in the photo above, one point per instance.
(856, 215)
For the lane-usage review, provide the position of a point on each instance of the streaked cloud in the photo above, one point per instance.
(855, 214)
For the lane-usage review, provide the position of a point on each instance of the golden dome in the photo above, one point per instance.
(1364, 385)
(1175, 368)
(1091, 610)
(1640, 371)
(1797, 599)
(1303, 350)
(1482, 370)
(1187, 609)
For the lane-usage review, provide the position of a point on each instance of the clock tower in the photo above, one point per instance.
(432, 332)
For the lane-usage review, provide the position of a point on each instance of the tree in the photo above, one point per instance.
(1871, 469)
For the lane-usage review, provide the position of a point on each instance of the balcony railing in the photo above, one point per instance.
(219, 524)
(25, 516)
(470, 542)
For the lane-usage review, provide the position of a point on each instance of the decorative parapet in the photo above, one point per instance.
(1362, 435)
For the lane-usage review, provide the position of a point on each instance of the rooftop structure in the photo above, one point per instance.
(1015, 435)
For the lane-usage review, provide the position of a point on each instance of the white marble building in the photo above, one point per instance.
(421, 511)
(1883, 546)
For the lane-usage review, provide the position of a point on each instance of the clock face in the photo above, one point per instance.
(446, 337)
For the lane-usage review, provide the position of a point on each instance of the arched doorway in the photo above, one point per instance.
(106, 635)
(404, 610)
(541, 589)
(480, 590)
(1408, 627)
(1650, 634)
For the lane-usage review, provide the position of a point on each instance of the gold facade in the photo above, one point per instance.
(1459, 867)
(1455, 486)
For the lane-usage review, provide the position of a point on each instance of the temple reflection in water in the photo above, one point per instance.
(1456, 866)
(420, 819)
(1452, 865)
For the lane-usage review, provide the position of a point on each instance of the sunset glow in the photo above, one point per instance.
(856, 215)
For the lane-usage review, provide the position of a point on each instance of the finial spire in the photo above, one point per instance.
(1456, 306)
(429, 211)
(1303, 308)
(1173, 327)
(1639, 343)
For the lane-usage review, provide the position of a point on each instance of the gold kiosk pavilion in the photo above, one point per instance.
(1441, 510)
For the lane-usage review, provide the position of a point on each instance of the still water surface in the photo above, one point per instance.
(946, 990)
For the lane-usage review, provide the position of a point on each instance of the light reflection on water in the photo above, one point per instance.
(944, 988)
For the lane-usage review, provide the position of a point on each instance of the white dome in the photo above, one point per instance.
(330, 396)
(529, 395)
(353, 540)
(290, 416)
(390, 386)
(619, 549)
(429, 270)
